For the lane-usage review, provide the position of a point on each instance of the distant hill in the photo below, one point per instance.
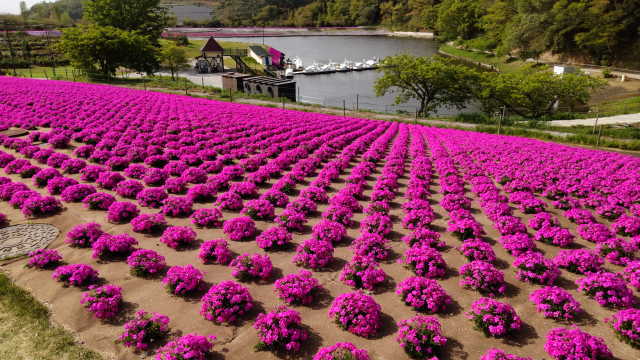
(596, 31)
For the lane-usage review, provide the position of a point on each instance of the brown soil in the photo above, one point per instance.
(236, 342)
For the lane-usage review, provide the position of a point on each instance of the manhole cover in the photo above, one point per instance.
(21, 239)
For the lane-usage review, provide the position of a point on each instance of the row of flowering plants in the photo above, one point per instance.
(172, 166)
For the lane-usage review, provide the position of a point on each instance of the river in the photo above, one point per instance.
(354, 88)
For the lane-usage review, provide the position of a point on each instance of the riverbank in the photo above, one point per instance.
(289, 32)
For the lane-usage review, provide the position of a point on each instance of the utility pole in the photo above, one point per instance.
(344, 107)
(599, 135)
(500, 118)
(595, 123)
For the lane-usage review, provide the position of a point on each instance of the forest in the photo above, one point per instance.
(604, 32)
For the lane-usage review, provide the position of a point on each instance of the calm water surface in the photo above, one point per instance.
(350, 87)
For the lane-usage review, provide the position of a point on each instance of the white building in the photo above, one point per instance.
(260, 55)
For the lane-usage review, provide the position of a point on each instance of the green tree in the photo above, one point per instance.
(533, 94)
(100, 50)
(173, 58)
(144, 16)
(459, 19)
(433, 81)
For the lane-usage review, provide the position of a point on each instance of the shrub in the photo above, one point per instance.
(276, 198)
(84, 235)
(249, 267)
(297, 289)
(477, 250)
(225, 302)
(484, 277)
(175, 206)
(617, 251)
(543, 219)
(145, 262)
(371, 245)
(44, 259)
(104, 301)
(292, 220)
(314, 254)
(144, 330)
(594, 232)
(152, 197)
(497, 354)
(148, 223)
(425, 261)
(534, 268)
(77, 193)
(574, 343)
(465, 228)
(579, 261)
(423, 294)
(122, 212)
(190, 346)
(229, 201)
(40, 206)
(424, 237)
(113, 247)
(274, 238)
(98, 201)
(201, 193)
(215, 252)
(554, 235)
(356, 313)
(280, 330)
(109, 180)
(626, 325)
(378, 224)
(177, 237)
(42, 177)
(627, 226)
(18, 198)
(555, 303)
(79, 275)
(183, 280)
(494, 318)
(341, 351)
(362, 273)
(632, 274)
(421, 337)
(517, 244)
(207, 218)
(607, 289)
(238, 229)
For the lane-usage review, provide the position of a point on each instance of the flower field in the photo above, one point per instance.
(197, 227)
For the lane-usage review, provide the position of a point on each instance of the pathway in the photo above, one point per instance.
(610, 120)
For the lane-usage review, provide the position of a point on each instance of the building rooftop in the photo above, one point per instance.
(259, 50)
(212, 46)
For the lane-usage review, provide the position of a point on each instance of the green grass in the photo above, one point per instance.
(45, 72)
(26, 331)
(499, 62)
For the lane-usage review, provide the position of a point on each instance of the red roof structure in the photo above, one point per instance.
(212, 46)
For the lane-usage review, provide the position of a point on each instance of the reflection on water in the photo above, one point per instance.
(352, 88)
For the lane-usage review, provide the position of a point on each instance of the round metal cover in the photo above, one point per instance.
(17, 240)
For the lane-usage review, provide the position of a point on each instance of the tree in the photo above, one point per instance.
(174, 58)
(102, 49)
(533, 94)
(144, 16)
(24, 10)
(433, 81)
(459, 19)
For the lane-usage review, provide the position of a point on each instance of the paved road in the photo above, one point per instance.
(611, 120)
